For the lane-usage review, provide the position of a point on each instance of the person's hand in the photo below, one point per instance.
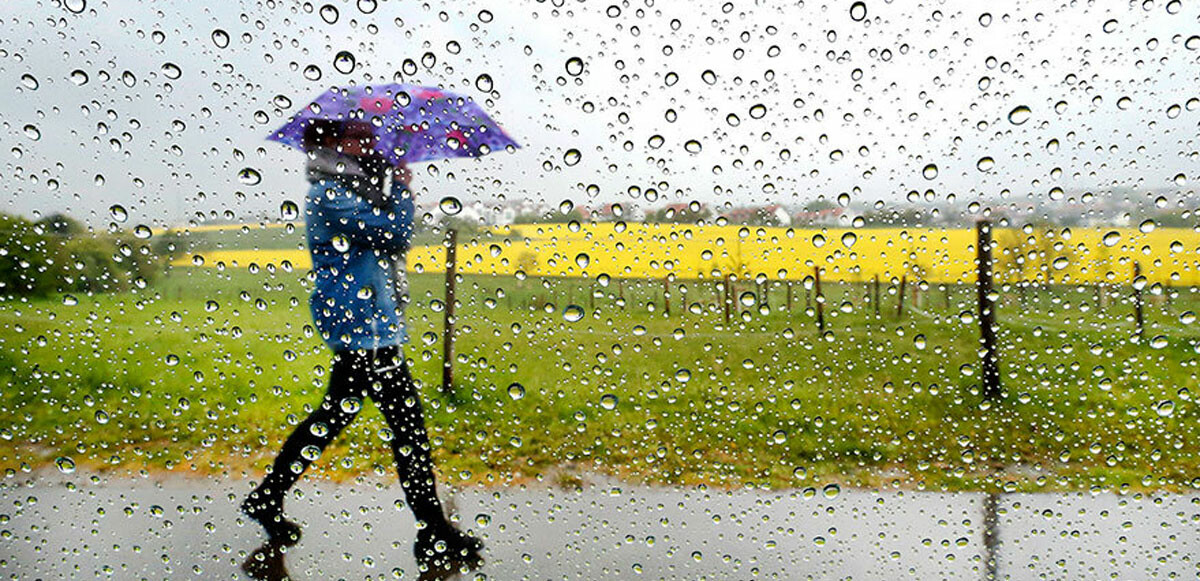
(401, 174)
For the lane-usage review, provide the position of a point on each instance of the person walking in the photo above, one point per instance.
(356, 229)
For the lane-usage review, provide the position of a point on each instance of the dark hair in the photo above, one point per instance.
(319, 132)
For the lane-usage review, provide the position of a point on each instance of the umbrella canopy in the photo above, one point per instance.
(412, 123)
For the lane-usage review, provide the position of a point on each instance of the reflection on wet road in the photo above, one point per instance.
(131, 529)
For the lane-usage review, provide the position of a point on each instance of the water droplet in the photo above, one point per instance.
(758, 111)
(692, 146)
(848, 239)
(70, 300)
(450, 205)
(818, 240)
(779, 436)
(1061, 262)
(344, 62)
(1019, 115)
(582, 259)
(312, 72)
(709, 77)
(919, 341)
(608, 401)
(573, 313)
(1165, 408)
(65, 464)
(858, 11)
(340, 243)
(831, 491)
(683, 375)
(572, 157)
(351, 405)
(171, 71)
(1111, 238)
(143, 232)
(288, 210)
(32, 132)
(118, 212)
(75, 6)
(220, 38)
(985, 164)
(1158, 342)
(29, 82)
(574, 66)
(1124, 103)
(516, 391)
(1110, 26)
(485, 16)
(1187, 317)
(101, 417)
(79, 77)
(329, 13)
(747, 299)
(484, 83)
(1192, 43)
(1146, 226)
(310, 453)
(249, 176)
(655, 141)
(483, 520)
(929, 172)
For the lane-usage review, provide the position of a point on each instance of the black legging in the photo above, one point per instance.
(383, 376)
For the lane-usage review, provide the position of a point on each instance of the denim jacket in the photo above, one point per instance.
(353, 245)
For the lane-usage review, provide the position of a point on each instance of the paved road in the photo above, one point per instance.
(119, 528)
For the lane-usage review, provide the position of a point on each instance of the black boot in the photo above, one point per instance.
(267, 510)
(442, 550)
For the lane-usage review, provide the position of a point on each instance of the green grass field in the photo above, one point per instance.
(207, 371)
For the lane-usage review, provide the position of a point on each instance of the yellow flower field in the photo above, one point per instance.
(1169, 256)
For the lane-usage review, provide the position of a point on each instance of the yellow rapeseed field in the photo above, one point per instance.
(1060, 255)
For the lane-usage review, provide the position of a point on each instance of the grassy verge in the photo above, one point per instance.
(207, 371)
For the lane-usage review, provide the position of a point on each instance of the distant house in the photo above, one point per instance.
(826, 217)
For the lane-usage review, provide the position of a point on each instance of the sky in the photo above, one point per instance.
(147, 107)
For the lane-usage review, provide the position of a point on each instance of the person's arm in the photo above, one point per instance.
(389, 229)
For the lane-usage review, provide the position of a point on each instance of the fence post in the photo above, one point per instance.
(877, 295)
(667, 295)
(1137, 300)
(448, 321)
(728, 299)
(820, 299)
(900, 296)
(789, 294)
(991, 385)
(987, 311)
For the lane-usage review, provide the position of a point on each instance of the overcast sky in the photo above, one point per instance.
(143, 105)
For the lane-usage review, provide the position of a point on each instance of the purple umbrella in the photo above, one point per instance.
(412, 123)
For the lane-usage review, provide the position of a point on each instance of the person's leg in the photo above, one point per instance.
(396, 395)
(439, 546)
(349, 377)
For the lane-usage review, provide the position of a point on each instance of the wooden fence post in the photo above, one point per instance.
(900, 296)
(448, 321)
(1139, 317)
(987, 311)
(667, 295)
(877, 295)
(820, 300)
(728, 299)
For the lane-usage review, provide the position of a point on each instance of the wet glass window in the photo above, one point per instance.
(562, 289)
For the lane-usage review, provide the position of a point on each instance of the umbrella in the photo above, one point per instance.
(412, 123)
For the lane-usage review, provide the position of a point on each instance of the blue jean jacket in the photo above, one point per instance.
(353, 301)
